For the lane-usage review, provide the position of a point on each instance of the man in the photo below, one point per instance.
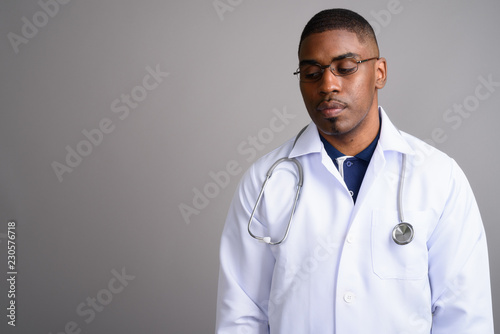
(386, 236)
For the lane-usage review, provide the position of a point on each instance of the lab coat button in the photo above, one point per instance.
(349, 297)
(350, 238)
(351, 193)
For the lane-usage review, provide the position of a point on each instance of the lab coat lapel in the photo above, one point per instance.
(390, 140)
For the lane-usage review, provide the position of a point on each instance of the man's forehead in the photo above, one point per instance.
(334, 44)
(332, 38)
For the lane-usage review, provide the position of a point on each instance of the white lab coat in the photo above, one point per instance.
(339, 271)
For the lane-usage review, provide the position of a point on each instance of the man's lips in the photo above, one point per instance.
(331, 108)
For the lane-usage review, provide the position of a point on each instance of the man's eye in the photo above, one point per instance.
(346, 70)
(345, 66)
(312, 75)
(311, 72)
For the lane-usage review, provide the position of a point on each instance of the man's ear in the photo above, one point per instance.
(381, 73)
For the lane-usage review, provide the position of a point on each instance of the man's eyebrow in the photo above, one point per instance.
(342, 56)
(346, 55)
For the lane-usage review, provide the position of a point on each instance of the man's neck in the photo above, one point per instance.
(353, 143)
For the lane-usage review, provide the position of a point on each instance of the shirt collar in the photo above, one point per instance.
(391, 139)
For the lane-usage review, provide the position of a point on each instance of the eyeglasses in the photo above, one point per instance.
(312, 72)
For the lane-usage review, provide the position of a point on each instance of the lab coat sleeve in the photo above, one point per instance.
(458, 264)
(246, 267)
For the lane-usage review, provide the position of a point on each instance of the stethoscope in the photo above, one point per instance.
(402, 233)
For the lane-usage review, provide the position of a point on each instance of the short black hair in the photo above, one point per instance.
(339, 19)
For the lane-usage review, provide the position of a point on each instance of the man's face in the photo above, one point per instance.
(343, 105)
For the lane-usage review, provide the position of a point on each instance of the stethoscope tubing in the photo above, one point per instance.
(300, 182)
(400, 189)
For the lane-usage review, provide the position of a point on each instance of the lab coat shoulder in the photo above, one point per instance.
(430, 174)
(426, 156)
(248, 190)
(438, 173)
(266, 161)
(253, 178)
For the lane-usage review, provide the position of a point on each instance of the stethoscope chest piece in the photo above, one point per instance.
(402, 234)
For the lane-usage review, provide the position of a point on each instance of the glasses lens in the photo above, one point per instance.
(310, 73)
(340, 67)
(344, 66)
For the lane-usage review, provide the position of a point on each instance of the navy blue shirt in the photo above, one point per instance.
(354, 168)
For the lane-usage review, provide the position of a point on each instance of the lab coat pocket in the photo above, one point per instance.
(393, 261)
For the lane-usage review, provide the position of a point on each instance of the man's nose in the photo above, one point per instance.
(329, 82)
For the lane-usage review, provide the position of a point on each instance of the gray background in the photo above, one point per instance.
(120, 207)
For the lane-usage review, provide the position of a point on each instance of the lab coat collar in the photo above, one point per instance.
(391, 139)
(308, 142)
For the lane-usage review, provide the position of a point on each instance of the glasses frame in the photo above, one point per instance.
(324, 67)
